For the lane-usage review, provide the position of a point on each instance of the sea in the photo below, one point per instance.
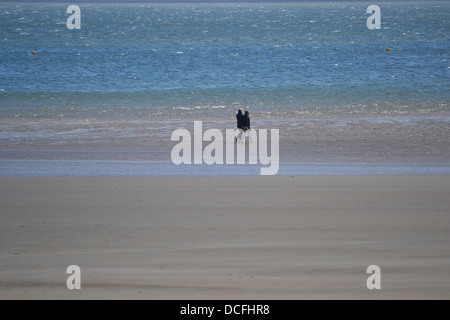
(158, 61)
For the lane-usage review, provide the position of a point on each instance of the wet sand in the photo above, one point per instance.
(225, 237)
(363, 146)
(402, 139)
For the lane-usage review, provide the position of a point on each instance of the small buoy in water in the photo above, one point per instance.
(33, 52)
(388, 49)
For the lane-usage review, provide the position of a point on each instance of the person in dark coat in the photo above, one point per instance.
(247, 121)
(240, 125)
(240, 119)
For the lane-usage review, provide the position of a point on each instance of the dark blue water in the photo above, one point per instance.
(182, 61)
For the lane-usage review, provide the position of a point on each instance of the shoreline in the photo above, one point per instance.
(307, 146)
(294, 117)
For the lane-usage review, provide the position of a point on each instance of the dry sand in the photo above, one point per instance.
(225, 238)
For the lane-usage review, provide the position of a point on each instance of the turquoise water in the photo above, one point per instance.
(183, 61)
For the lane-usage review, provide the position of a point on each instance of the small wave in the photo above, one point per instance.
(200, 107)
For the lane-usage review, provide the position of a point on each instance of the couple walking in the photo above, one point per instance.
(243, 124)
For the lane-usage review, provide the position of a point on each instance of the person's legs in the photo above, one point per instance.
(241, 137)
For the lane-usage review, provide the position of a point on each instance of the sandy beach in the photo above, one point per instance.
(225, 237)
